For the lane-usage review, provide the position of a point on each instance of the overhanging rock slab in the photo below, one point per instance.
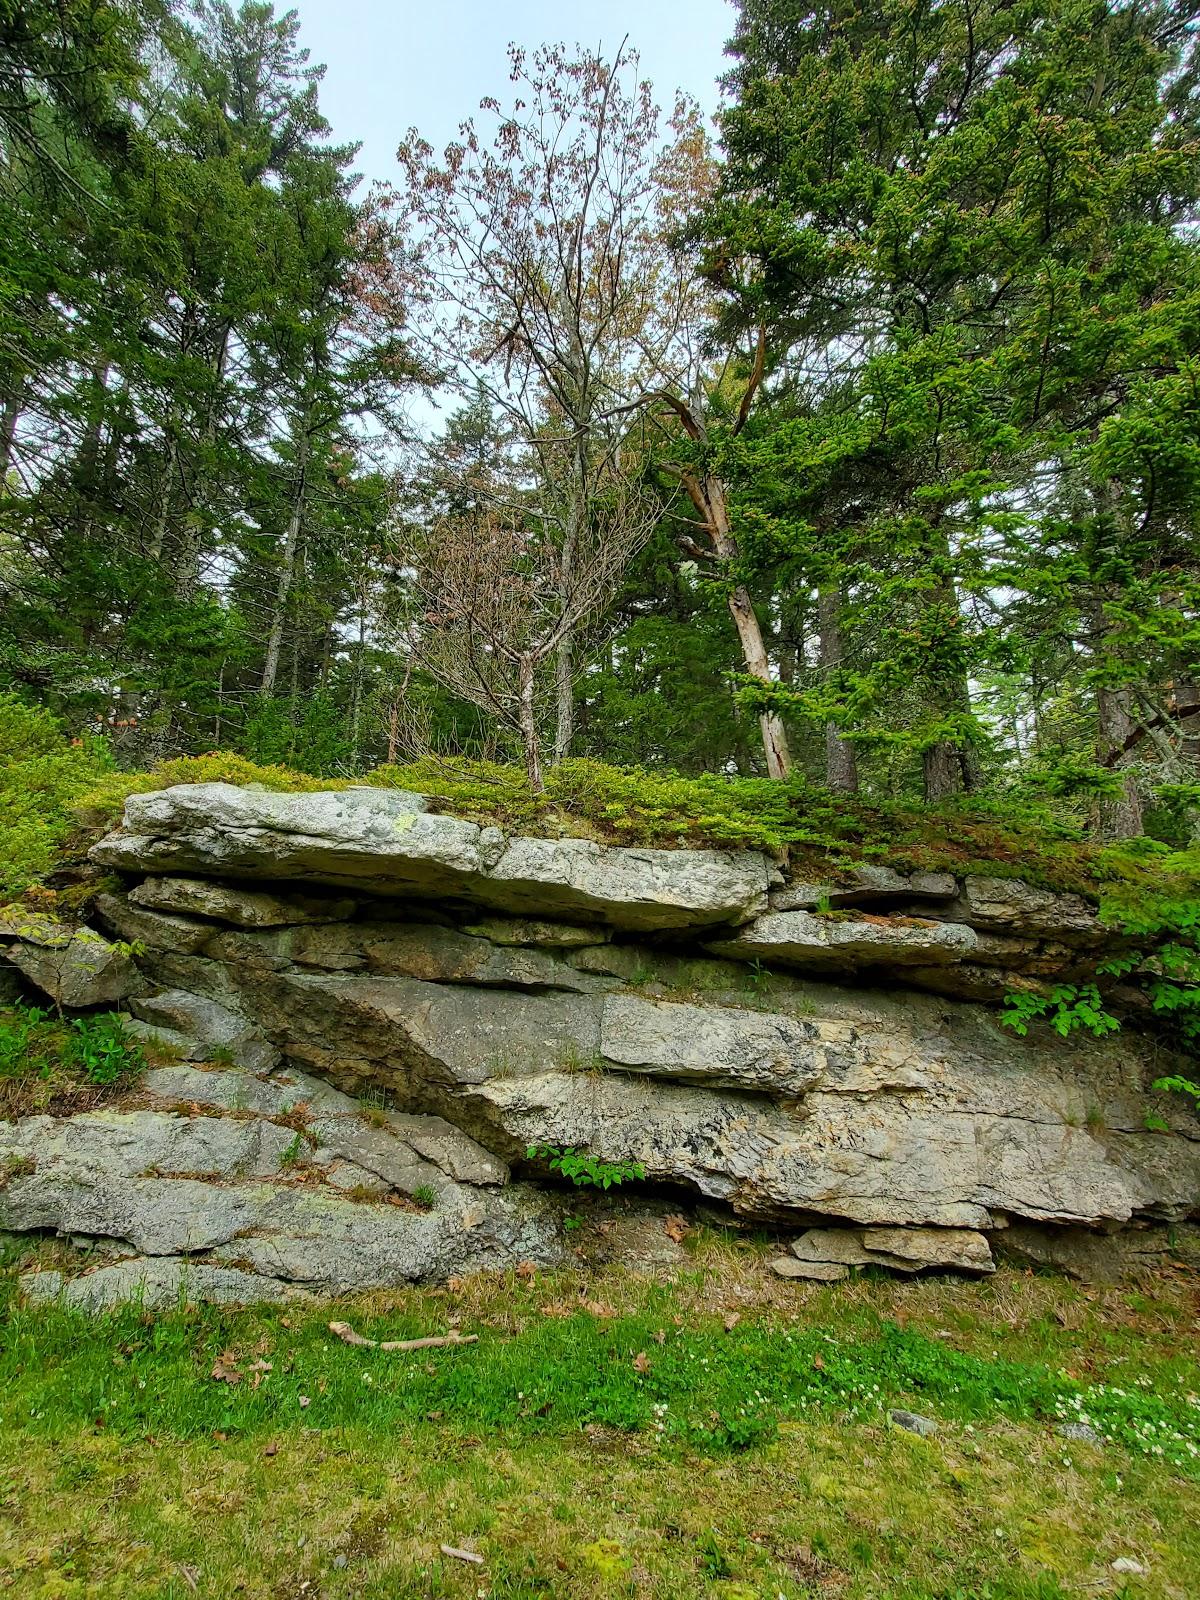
(386, 841)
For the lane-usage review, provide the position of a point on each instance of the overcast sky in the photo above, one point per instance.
(395, 64)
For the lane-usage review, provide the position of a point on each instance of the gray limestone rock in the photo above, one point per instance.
(155, 929)
(210, 1024)
(800, 938)
(536, 931)
(817, 1271)
(133, 1144)
(1008, 905)
(900, 1249)
(156, 1283)
(388, 842)
(710, 1044)
(76, 968)
(236, 1089)
(913, 1422)
(241, 907)
(865, 886)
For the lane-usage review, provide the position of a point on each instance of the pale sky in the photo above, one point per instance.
(427, 63)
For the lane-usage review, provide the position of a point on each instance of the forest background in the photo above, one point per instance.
(851, 444)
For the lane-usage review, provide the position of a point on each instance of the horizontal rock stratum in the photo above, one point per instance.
(388, 841)
(820, 1068)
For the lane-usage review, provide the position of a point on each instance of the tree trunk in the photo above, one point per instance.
(754, 654)
(564, 689)
(1121, 816)
(564, 661)
(942, 771)
(710, 497)
(1187, 714)
(528, 725)
(841, 762)
(287, 572)
(9, 417)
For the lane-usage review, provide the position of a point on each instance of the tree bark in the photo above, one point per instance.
(528, 725)
(287, 571)
(942, 771)
(841, 762)
(709, 496)
(1120, 816)
(564, 662)
(9, 417)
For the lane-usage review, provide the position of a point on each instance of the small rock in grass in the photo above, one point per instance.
(824, 1271)
(911, 1422)
(1079, 1433)
(1128, 1564)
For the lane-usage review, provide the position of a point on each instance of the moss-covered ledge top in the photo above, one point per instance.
(389, 841)
(817, 836)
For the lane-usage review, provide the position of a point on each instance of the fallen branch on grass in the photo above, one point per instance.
(348, 1336)
(461, 1555)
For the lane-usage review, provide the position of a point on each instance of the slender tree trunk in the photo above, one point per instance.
(528, 724)
(841, 762)
(287, 571)
(1187, 714)
(1116, 726)
(564, 662)
(749, 630)
(10, 415)
(1120, 816)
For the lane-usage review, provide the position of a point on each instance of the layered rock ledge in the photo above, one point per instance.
(805, 1055)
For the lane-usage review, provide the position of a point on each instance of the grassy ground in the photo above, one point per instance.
(721, 1435)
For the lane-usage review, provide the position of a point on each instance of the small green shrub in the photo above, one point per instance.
(585, 1170)
(1068, 1008)
(293, 1155)
(100, 1051)
(425, 1194)
(42, 776)
(43, 1058)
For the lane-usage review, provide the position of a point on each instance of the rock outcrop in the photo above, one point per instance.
(766, 1045)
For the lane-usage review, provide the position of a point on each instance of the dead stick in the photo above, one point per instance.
(347, 1334)
(461, 1555)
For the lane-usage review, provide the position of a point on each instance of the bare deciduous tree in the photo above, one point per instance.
(495, 600)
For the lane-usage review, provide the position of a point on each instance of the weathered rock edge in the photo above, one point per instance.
(387, 841)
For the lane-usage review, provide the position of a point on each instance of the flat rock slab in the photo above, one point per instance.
(865, 886)
(157, 1283)
(282, 1232)
(387, 841)
(816, 1271)
(711, 1044)
(137, 1144)
(237, 1089)
(241, 908)
(899, 1249)
(803, 939)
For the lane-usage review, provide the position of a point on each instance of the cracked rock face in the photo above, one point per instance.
(804, 1069)
(237, 1206)
(74, 967)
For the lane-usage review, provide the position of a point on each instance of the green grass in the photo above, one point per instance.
(640, 1446)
